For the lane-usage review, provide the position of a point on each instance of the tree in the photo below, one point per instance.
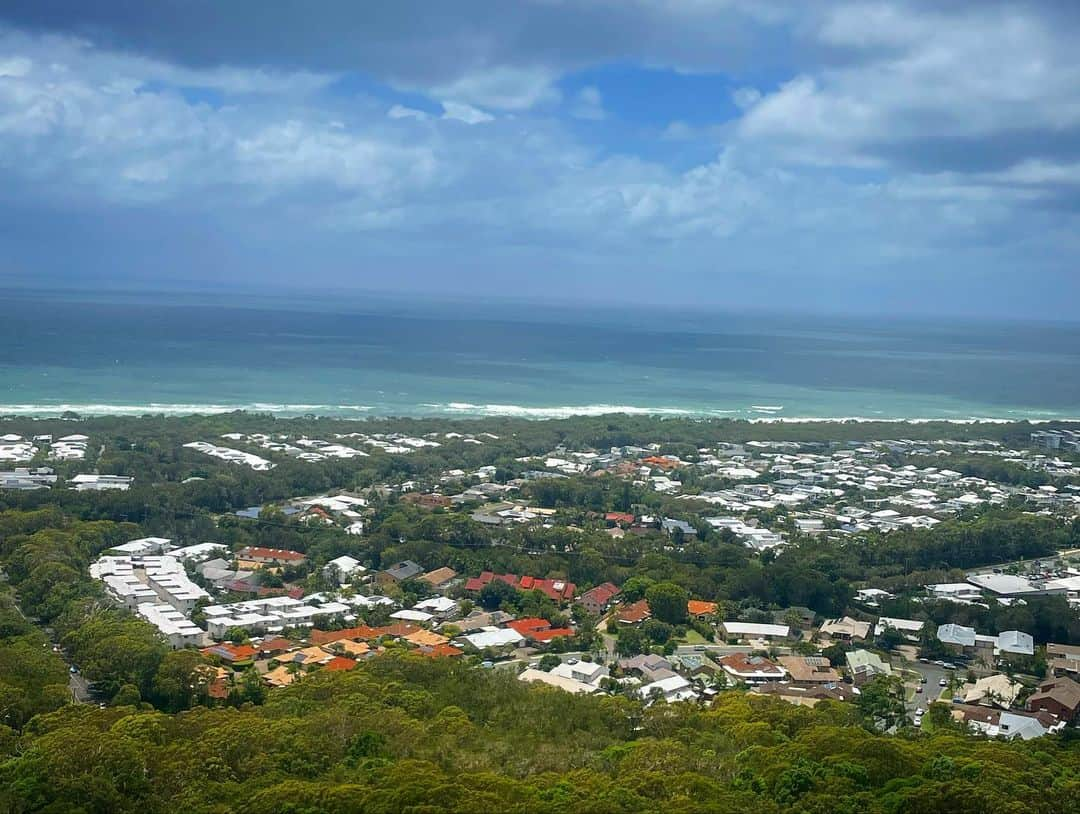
(495, 593)
(881, 703)
(549, 661)
(667, 602)
(634, 588)
(127, 696)
(180, 680)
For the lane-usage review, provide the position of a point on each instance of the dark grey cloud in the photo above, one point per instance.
(413, 40)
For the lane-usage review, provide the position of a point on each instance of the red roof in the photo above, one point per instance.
(528, 626)
(339, 663)
(619, 517)
(632, 614)
(441, 651)
(551, 633)
(557, 589)
(602, 594)
(232, 652)
(276, 645)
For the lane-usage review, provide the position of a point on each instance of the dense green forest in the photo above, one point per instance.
(404, 733)
(416, 735)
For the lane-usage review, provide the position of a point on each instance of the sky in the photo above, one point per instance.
(907, 157)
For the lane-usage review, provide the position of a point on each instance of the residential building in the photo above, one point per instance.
(596, 600)
(865, 665)
(749, 631)
(751, 669)
(1059, 696)
(845, 629)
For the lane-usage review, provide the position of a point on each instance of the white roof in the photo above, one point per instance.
(494, 637)
(555, 680)
(436, 604)
(346, 564)
(754, 629)
(411, 616)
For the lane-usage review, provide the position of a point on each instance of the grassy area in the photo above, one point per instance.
(693, 637)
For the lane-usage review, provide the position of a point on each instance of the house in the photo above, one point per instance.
(865, 665)
(1015, 642)
(671, 525)
(479, 619)
(993, 690)
(496, 639)
(670, 689)
(1063, 659)
(809, 669)
(633, 614)
(588, 672)
(281, 676)
(701, 610)
(441, 607)
(270, 556)
(650, 666)
(845, 629)
(596, 600)
(339, 663)
(751, 669)
(427, 501)
(399, 572)
(619, 518)
(237, 655)
(557, 589)
(958, 638)
(806, 695)
(1059, 696)
(908, 628)
(753, 630)
(872, 596)
(1001, 723)
(274, 646)
(538, 630)
(695, 665)
(440, 578)
(558, 680)
(343, 569)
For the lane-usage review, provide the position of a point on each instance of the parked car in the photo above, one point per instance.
(943, 683)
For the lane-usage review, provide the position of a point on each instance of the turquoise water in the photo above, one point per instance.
(151, 355)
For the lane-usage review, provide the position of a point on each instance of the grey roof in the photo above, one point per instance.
(956, 634)
(404, 570)
(1016, 641)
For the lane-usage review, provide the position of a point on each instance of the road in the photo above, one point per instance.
(931, 689)
(80, 688)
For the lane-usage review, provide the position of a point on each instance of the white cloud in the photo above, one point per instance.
(501, 88)
(402, 112)
(465, 113)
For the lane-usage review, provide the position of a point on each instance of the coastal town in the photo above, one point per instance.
(969, 645)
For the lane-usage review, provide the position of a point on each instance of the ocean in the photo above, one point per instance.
(105, 354)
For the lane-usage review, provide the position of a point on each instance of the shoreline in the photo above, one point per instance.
(751, 415)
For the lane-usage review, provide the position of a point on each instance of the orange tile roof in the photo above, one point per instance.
(697, 607)
(425, 638)
(339, 663)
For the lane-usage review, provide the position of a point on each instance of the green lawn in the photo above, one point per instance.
(693, 637)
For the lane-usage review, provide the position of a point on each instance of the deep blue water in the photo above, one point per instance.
(102, 356)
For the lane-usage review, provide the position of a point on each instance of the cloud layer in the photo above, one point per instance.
(887, 156)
